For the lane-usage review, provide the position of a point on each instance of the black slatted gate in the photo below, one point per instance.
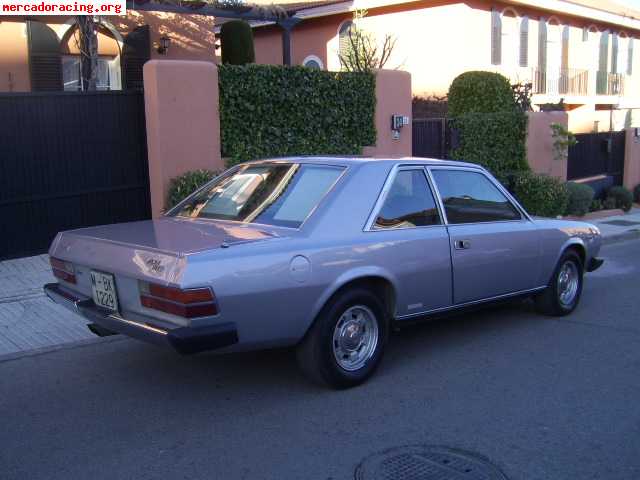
(69, 160)
(597, 154)
(429, 137)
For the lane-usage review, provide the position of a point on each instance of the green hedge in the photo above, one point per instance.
(187, 183)
(622, 196)
(491, 129)
(270, 111)
(236, 43)
(580, 198)
(540, 194)
(480, 92)
(494, 140)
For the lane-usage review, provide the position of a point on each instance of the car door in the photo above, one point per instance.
(411, 239)
(495, 248)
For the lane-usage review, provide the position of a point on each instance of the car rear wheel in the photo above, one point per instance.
(562, 295)
(346, 342)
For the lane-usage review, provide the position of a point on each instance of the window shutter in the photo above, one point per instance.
(496, 38)
(604, 51)
(135, 53)
(524, 42)
(344, 42)
(45, 61)
(565, 48)
(614, 54)
(542, 44)
(585, 34)
(630, 58)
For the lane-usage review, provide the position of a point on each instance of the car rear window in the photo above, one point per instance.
(281, 194)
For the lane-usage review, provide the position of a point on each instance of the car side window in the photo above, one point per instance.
(409, 203)
(469, 197)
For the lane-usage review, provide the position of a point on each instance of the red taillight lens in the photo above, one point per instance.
(190, 303)
(63, 270)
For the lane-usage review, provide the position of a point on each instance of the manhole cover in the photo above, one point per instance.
(621, 223)
(420, 462)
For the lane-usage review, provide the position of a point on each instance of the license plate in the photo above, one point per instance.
(104, 291)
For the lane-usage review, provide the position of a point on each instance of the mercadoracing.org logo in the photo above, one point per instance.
(63, 7)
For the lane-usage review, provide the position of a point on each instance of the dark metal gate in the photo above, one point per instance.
(430, 137)
(69, 160)
(597, 154)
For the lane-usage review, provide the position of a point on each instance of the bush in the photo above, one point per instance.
(269, 110)
(609, 203)
(622, 197)
(636, 194)
(540, 194)
(596, 205)
(236, 43)
(182, 186)
(492, 129)
(480, 92)
(580, 198)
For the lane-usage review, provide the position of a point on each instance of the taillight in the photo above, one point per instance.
(189, 303)
(63, 270)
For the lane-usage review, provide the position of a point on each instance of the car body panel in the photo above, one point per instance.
(270, 283)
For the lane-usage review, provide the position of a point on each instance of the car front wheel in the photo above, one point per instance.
(562, 295)
(346, 342)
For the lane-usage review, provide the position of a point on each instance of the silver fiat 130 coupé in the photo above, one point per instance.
(325, 254)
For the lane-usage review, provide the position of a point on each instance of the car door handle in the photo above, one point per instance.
(462, 244)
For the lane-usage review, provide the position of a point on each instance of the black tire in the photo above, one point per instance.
(549, 301)
(316, 351)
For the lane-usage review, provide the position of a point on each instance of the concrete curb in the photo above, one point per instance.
(63, 346)
(621, 237)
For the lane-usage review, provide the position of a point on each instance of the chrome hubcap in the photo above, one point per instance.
(355, 338)
(568, 281)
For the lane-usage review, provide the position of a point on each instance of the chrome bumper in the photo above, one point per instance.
(185, 340)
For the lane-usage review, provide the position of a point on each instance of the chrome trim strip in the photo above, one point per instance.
(468, 304)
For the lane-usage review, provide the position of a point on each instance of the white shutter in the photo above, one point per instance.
(630, 58)
(496, 37)
(524, 42)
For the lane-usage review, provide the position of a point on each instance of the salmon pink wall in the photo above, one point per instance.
(631, 159)
(183, 122)
(540, 152)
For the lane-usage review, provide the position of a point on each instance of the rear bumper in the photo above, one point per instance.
(185, 340)
(594, 264)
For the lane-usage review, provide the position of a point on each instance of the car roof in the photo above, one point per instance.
(359, 160)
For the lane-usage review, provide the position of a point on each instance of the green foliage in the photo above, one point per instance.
(495, 140)
(609, 203)
(236, 42)
(480, 92)
(636, 193)
(562, 140)
(271, 111)
(492, 128)
(182, 186)
(540, 194)
(580, 198)
(622, 196)
(596, 205)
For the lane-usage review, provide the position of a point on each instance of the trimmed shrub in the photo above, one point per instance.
(622, 197)
(236, 43)
(609, 203)
(596, 205)
(183, 185)
(580, 198)
(480, 92)
(540, 194)
(636, 194)
(492, 129)
(270, 111)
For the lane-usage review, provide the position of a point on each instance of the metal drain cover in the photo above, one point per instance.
(621, 223)
(424, 462)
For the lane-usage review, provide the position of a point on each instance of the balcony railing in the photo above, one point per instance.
(565, 81)
(609, 83)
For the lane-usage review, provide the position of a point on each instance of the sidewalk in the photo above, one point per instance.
(29, 320)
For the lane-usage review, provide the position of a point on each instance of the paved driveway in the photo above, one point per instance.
(543, 398)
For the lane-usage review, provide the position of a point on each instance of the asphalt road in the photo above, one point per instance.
(542, 398)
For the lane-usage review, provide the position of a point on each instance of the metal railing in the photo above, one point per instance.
(609, 83)
(565, 81)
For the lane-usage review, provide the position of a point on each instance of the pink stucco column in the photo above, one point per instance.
(631, 159)
(183, 123)
(540, 153)
(393, 96)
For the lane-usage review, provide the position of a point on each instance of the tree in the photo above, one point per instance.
(363, 53)
(87, 42)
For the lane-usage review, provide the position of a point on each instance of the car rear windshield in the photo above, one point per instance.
(281, 194)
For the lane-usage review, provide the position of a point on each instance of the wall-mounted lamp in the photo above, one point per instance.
(163, 45)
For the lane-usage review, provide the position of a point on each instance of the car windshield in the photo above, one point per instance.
(281, 194)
